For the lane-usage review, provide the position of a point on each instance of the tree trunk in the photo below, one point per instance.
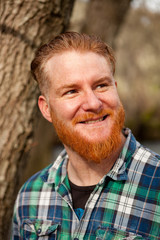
(104, 18)
(24, 26)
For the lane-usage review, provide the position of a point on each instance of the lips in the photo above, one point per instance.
(90, 121)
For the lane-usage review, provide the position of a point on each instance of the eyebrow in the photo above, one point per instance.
(106, 78)
(66, 87)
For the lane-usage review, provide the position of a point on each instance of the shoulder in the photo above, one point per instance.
(146, 155)
(145, 165)
(140, 159)
(46, 176)
(35, 182)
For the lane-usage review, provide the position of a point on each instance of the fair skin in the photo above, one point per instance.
(82, 83)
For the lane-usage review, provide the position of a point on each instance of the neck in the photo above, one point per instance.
(86, 173)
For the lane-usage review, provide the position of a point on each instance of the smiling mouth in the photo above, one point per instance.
(94, 121)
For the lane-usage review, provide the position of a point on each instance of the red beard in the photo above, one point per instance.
(96, 150)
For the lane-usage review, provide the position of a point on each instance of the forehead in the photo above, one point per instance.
(73, 64)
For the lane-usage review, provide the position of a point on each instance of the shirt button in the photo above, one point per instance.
(39, 230)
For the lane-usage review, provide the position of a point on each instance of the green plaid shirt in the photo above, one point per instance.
(126, 206)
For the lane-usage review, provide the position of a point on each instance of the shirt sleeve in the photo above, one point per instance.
(15, 228)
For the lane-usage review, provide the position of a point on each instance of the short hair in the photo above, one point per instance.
(67, 42)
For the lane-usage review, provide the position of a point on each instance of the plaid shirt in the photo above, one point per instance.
(126, 206)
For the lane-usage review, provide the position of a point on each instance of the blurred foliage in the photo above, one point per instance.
(138, 72)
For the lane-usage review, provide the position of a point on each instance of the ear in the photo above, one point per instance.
(44, 108)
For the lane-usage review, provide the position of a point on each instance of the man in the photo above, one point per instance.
(104, 185)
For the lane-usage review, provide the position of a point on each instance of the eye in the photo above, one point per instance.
(103, 85)
(70, 92)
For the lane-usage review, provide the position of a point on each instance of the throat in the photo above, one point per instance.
(85, 173)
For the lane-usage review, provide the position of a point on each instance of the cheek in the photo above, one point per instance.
(66, 110)
(115, 102)
(111, 100)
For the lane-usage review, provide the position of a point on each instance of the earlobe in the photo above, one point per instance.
(44, 108)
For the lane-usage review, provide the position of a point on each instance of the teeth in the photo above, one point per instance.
(94, 121)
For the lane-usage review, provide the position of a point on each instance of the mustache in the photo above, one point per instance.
(92, 116)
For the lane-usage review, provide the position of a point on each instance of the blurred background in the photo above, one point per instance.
(132, 28)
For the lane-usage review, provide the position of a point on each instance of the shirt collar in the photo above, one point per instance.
(58, 171)
(118, 171)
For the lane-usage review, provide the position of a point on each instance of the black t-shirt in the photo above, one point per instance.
(80, 194)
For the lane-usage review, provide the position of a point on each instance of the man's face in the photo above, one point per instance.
(84, 105)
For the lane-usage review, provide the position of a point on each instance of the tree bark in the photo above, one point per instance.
(24, 26)
(104, 18)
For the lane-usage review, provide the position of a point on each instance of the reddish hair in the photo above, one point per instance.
(66, 42)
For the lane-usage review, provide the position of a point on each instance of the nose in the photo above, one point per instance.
(91, 102)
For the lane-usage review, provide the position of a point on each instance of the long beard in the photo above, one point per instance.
(96, 150)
